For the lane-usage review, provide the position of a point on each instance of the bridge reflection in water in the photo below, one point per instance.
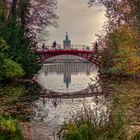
(67, 77)
(69, 58)
(67, 87)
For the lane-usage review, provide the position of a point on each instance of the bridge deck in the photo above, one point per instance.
(90, 55)
(66, 51)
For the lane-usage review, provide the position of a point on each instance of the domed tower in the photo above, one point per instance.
(67, 42)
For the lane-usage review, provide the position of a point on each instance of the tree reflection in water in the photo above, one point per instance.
(16, 100)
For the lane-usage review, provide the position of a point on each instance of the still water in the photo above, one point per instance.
(26, 101)
(67, 77)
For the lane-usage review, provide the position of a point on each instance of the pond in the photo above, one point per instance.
(46, 111)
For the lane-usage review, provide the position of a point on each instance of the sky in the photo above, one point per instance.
(80, 21)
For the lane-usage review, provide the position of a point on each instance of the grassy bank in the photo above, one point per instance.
(87, 125)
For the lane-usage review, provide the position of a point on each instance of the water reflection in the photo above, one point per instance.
(67, 77)
(68, 88)
(54, 111)
(16, 99)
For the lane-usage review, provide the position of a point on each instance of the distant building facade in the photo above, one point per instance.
(67, 42)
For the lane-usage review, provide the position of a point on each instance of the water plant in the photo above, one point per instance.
(89, 124)
(136, 136)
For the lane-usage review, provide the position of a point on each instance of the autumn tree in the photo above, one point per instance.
(121, 55)
(32, 14)
(124, 49)
(20, 22)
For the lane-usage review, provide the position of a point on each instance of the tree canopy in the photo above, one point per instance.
(20, 22)
(122, 36)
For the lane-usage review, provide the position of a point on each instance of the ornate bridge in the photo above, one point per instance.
(89, 55)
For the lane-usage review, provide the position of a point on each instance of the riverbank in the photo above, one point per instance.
(41, 115)
(122, 94)
(40, 131)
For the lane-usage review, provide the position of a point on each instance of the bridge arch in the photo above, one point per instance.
(91, 56)
(69, 57)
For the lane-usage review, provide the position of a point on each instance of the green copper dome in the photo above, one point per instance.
(67, 42)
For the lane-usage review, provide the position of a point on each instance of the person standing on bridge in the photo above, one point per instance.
(54, 45)
(96, 47)
(43, 46)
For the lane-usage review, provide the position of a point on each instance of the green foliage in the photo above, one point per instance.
(123, 56)
(3, 46)
(13, 93)
(3, 50)
(75, 133)
(116, 127)
(28, 61)
(126, 95)
(136, 136)
(93, 128)
(8, 68)
(3, 10)
(11, 69)
(122, 37)
(72, 134)
(9, 129)
(16, 45)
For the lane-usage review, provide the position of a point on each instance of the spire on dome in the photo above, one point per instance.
(67, 37)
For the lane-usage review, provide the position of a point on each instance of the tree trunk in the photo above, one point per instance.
(12, 13)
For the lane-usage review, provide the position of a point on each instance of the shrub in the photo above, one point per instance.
(88, 125)
(9, 129)
(11, 69)
(8, 67)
